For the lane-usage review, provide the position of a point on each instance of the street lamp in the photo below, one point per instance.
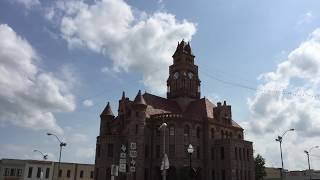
(308, 155)
(165, 160)
(190, 151)
(44, 156)
(279, 139)
(61, 145)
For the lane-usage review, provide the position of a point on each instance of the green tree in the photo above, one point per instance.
(259, 167)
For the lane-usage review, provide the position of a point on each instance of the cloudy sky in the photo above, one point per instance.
(61, 61)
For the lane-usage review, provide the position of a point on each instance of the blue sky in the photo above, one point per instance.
(62, 61)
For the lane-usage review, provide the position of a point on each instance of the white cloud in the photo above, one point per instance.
(29, 96)
(28, 3)
(87, 103)
(78, 138)
(85, 153)
(273, 113)
(133, 40)
(306, 18)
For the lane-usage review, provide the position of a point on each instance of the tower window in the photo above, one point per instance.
(68, 173)
(110, 150)
(171, 130)
(198, 152)
(81, 174)
(171, 150)
(198, 132)
(212, 153)
(212, 133)
(29, 172)
(186, 130)
(222, 153)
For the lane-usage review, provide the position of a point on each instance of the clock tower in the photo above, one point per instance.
(183, 81)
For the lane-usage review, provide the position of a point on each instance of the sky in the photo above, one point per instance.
(61, 61)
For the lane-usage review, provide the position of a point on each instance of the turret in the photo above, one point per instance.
(183, 80)
(106, 117)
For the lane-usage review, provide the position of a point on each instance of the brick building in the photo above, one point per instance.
(220, 151)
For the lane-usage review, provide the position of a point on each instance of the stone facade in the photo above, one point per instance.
(220, 151)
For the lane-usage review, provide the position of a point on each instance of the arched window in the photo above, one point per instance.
(198, 132)
(171, 130)
(222, 134)
(186, 130)
(212, 133)
(239, 136)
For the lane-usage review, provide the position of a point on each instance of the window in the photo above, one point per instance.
(239, 136)
(137, 114)
(39, 172)
(137, 128)
(198, 132)
(30, 172)
(68, 173)
(223, 174)
(213, 175)
(212, 153)
(6, 172)
(186, 150)
(212, 133)
(81, 174)
(12, 172)
(19, 172)
(60, 172)
(171, 130)
(198, 152)
(158, 130)
(146, 151)
(249, 175)
(47, 173)
(240, 157)
(158, 151)
(171, 150)
(110, 150)
(186, 130)
(98, 150)
(91, 174)
(248, 155)
(244, 154)
(222, 153)
(96, 173)
(222, 134)
(236, 153)
(237, 174)
(146, 173)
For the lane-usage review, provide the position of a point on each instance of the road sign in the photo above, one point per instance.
(133, 154)
(122, 168)
(123, 155)
(133, 162)
(123, 161)
(114, 170)
(132, 169)
(123, 148)
(133, 145)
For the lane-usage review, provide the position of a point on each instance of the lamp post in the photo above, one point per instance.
(279, 139)
(45, 157)
(308, 155)
(165, 157)
(190, 151)
(61, 145)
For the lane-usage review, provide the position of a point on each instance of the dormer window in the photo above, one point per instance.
(176, 75)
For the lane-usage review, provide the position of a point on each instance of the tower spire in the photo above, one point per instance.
(107, 111)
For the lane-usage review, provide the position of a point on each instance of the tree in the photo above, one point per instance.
(259, 167)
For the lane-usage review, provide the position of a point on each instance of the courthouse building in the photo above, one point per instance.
(133, 141)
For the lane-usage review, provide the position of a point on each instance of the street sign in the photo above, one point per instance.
(133, 162)
(133, 145)
(122, 168)
(133, 154)
(123, 161)
(132, 169)
(123, 148)
(123, 155)
(114, 170)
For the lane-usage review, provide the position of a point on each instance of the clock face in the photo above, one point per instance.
(190, 75)
(176, 75)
